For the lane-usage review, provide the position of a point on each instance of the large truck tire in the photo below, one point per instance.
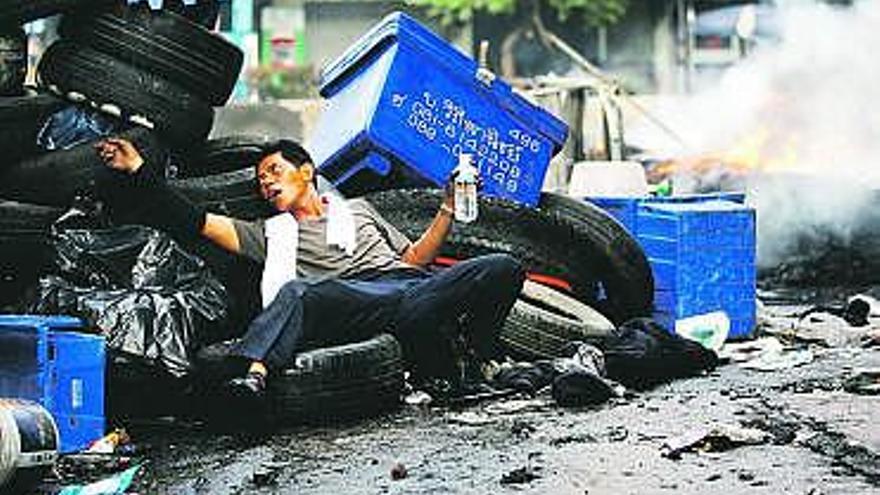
(222, 155)
(549, 240)
(55, 178)
(23, 11)
(619, 262)
(85, 75)
(327, 384)
(232, 193)
(163, 43)
(543, 321)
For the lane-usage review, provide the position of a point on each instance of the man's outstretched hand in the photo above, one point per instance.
(119, 154)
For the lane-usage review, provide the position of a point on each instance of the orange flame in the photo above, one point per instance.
(759, 150)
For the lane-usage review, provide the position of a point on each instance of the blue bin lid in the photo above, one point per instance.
(398, 25)
(40, 321)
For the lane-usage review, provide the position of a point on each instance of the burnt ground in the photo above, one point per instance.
(822, 440)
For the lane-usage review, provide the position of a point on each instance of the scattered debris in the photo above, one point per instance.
(525, 474)
(264, 477)
(864, 382)
(581, 438)
(418, 398)
(746, 351)
(780, 361)
(516, 406)
(116, 484)
(470, 418)
(717, 438)
(522, 429)
(766, 354)
(617, 433)
(268, 472)
(109, 442)
(398, 471)
(829, 330)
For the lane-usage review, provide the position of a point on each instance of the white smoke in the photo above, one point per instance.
(819, 89)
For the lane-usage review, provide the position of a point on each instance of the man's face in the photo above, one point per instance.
(283, 184)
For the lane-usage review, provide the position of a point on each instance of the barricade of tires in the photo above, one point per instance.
(154, 73)
(159, 77)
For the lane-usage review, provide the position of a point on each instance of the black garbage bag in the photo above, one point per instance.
(641, 353)
(151, 299)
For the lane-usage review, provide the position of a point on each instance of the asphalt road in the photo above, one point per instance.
(820, 439)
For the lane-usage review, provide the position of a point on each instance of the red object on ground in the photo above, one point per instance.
(540, 278)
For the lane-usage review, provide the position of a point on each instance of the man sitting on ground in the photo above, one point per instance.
(334, 270)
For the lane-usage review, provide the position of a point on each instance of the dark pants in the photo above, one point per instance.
(424, 312)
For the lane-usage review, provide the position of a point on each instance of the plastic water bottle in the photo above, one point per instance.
(708, 329)
(465, 189)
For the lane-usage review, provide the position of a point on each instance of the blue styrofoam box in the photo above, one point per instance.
(702, 255)
(402, 103)
(43, 359)
(625, 209)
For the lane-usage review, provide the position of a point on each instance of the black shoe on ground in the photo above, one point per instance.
(251, 385)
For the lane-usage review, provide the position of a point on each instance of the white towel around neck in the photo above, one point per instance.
(282, 243)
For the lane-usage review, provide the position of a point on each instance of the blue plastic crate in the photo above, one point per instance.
(625, 210)
(400, 105)
(702, 255)
(44, 360)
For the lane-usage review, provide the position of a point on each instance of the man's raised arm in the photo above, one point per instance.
(166, 209)
(425, 249)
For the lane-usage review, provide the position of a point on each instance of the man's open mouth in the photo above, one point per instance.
(271, 193)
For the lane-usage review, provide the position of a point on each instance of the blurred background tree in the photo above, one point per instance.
(593, 13)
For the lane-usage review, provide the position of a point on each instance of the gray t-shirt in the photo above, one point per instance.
(379, 245)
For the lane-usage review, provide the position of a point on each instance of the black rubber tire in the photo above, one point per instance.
(57, 177)
(340, 382)
(26, 219)
(221, 155)
(13, 60)
(231, 193)
(326, 384)
(544, 321)
(163, 43)
(181, 117)
(20, 121)
(548, 240)
(618, 260)
(22, 11)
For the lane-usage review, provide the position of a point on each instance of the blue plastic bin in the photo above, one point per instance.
(42, 359)
(625, 210)
(402, 103)
(702, 255)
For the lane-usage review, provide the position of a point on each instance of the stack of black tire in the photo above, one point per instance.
(157, 73)
(160, 76)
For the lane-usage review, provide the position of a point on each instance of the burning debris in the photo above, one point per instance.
(790, 124)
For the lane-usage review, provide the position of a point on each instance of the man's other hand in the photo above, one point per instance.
(119, 154)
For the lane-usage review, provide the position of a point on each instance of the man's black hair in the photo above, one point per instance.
(291, 151)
